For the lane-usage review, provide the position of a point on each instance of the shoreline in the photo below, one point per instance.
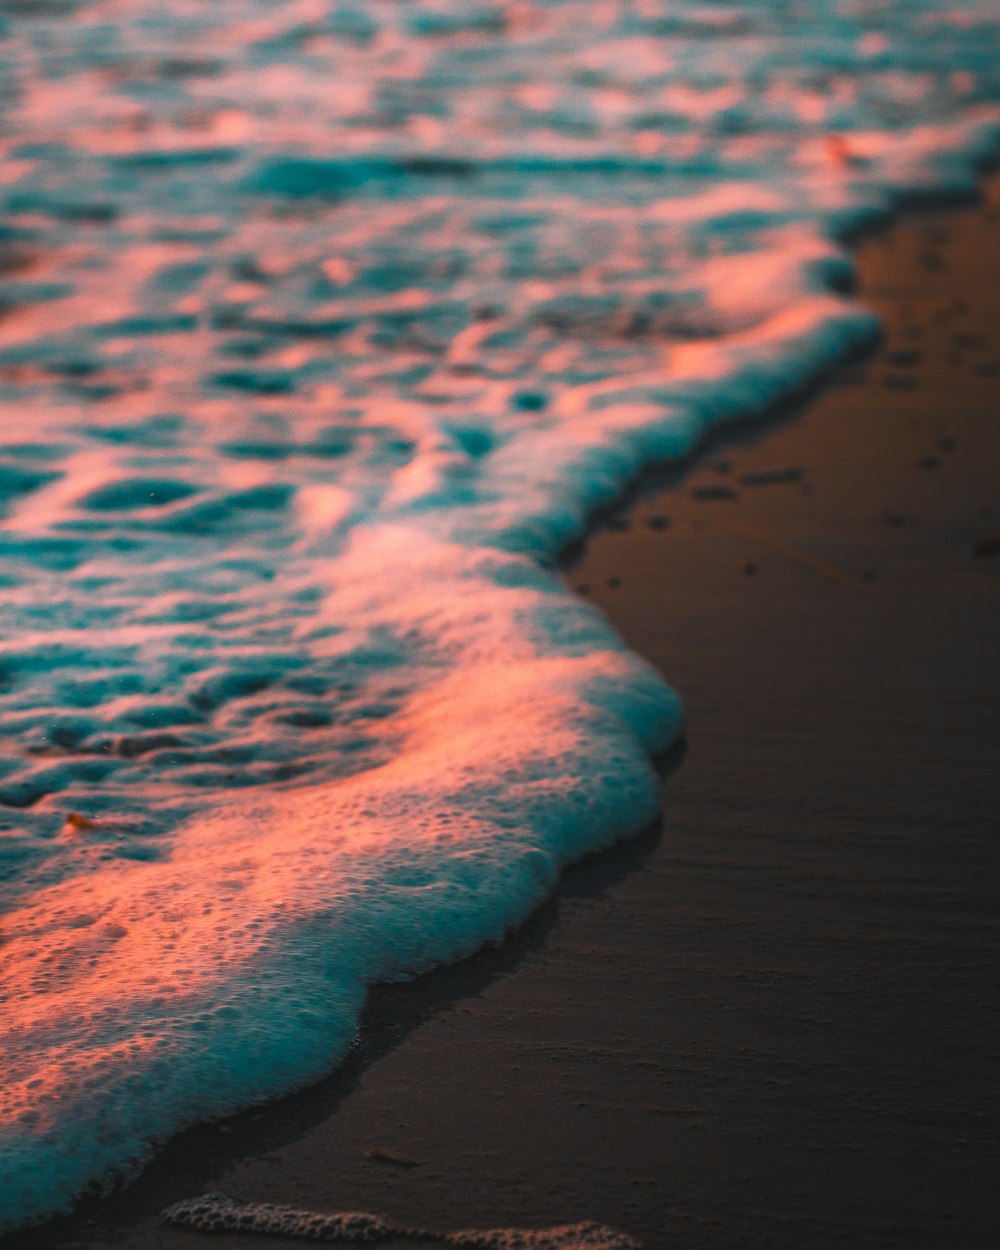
(630, 1055)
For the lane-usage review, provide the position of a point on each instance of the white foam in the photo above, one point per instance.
(216, 1213)
(319, 348)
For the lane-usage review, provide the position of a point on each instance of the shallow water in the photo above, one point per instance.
(322, 331)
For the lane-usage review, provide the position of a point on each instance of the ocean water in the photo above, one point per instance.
(323, 329)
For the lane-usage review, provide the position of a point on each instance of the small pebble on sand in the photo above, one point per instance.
(703, 493)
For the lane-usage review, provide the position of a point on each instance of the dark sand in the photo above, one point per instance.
(773, 1021)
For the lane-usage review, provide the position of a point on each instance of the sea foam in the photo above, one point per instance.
(215, 1213)
(323, 330)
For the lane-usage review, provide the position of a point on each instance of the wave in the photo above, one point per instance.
(314, 356)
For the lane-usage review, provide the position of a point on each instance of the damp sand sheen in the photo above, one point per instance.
(324, 331)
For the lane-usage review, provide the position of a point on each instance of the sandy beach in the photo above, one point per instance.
(771, 1021)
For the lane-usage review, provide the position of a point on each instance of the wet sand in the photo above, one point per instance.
(773, 1020)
